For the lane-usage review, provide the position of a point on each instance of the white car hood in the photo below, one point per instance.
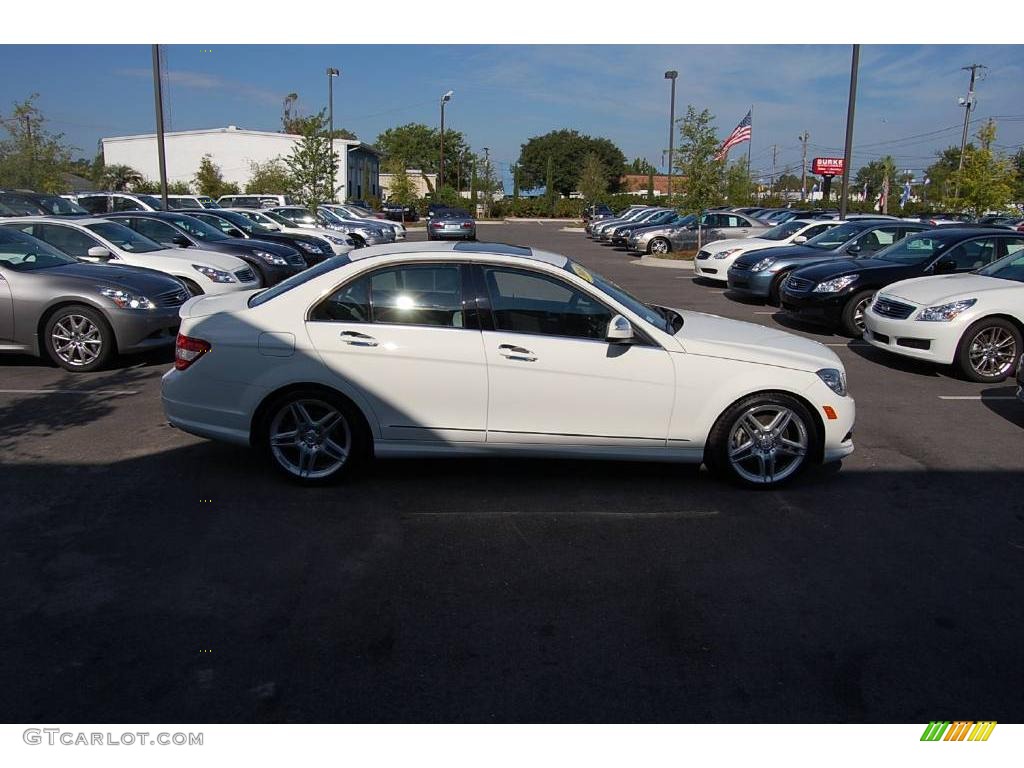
(943, 289)
(746, 243)
(714, 336)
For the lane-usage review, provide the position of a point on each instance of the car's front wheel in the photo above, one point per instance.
(659, 245)
(853, 313)
(314, 437)
(79, 339)
(988, 350)
(762, 441)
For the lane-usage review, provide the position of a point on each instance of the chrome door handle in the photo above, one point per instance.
(513, 352)
(358, 339)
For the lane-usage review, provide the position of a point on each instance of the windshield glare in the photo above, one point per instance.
(124, 238)
(782, 231)
(831, 239)
(24, 253)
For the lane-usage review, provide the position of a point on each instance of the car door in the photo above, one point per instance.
(403, 336)
(552, 375)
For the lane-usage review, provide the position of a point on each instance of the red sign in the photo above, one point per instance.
(827, 166)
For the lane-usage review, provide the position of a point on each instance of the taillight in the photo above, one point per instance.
(438, 225)
(187, 350)
(467, 225)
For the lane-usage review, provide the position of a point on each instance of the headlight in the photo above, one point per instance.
(946, 312)
(270, 258)
(834, 379)
(835, 285)
(218, 276)
(763, 264)
(307, 247)
(126, 300)
(728, 253)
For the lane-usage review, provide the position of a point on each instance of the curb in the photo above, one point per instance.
(654, 261)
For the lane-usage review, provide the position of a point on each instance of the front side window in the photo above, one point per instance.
(974, 254)
(72, 241)
(94, 203)
(876, 239)
(155, 230)
(528, 302)
(126, 204)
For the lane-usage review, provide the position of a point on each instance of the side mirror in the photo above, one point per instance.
(945, 266)
(99, 252)
(799, 239)
(619, 330)
(853, 249)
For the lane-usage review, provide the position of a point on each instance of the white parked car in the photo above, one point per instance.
(714, 259)
(104, 241)
(973, 321)
(424, 349)
(340, 243)
(177, 202)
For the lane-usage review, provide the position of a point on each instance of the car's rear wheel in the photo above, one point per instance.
(853, 313)
(659, 245)
(79, 338)
(989, 350)
(762, 441)
(314, 437)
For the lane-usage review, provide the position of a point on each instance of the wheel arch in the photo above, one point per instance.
(818, 421)
(260, 413)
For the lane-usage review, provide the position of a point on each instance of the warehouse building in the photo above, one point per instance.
(234, 150)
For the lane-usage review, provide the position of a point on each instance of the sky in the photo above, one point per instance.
(906, 100)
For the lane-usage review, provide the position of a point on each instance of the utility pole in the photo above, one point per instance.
(487, 182)
(671, 75)
(158, 95)
(332, 73)
(968, 105)
(804, 138)
(848, 149)
(775, 154)
(440, 177)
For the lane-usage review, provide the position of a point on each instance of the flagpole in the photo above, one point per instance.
(749, 143)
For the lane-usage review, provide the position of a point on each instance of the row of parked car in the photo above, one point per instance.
(81, 284)
(932, 288)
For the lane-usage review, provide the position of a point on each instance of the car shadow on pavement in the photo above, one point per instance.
(705, 282)
(742, 298)
(1003, 401)
(897, 362)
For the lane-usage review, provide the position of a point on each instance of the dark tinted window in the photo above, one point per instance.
(72, 241)
(155, 230)
(349, 304)
(528, 302)
(974, 254)
(22, 253)
(877, 239)
(94, 203)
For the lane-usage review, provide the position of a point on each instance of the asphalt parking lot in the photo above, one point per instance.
(155, 577)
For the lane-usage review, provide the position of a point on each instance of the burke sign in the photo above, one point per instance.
(827, 166)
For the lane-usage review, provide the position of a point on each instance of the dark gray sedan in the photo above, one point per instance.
(451, 224)
(683, 236)
(80, 314)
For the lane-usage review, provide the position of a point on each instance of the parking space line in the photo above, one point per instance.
(977, 397)
(69, 392)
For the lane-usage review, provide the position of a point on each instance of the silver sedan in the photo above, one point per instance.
(714, 225)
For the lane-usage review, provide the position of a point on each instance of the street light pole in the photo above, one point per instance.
(671, 75)
(332, 73)
(158, 96)
(804, 138)
(440, 177)
(968, 105)
(487, 182)
(848, 149)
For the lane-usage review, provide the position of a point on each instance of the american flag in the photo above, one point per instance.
(740, 134)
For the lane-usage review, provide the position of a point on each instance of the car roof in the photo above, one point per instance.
(74, 220)
(475, 248)
(953, 232)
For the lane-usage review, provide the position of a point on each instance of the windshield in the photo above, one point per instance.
(782, 231)
(277, 218)
(911, 250)
(298, 279)
(153, 202)
(124, 238)
(1009, 267)
(831, 239)
(245, 224)
(199, 229)
(24, 253)
(59, 206)
(650, 314)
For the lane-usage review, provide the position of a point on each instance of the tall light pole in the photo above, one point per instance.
(968, 105)
(332, 73)
(440, 176)
(848, 149)
(487, 181)
(158, 96)
(671, 75)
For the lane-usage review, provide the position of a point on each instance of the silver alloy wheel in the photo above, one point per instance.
(767, 443)
(310, 438)
(76, 340)
(992, 352)
(659, 245)
(858, 312)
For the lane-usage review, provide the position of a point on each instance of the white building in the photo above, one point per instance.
(234, 150)
(422, 182)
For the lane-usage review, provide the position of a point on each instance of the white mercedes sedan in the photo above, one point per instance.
(973, 321)
(429, 349)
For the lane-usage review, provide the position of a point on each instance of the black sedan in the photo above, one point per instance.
(272, 262)
(233, 224)
(837, 292)
(399, 212)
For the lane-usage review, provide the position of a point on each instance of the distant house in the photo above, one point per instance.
(234, 150)
(636, 184)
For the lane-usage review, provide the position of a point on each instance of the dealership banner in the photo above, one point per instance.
(827, 166)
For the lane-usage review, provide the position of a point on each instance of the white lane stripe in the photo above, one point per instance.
(977, 397)
(69, 392)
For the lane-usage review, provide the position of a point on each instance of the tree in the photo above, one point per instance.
(695, 161)
(640, 166)
(401, 189)
(312, 165)
(179, 187)
(593, 182)
(874, 174)
(120, 178)
(787, 182)
(487, 182)
(566, 150)
(271, 177)
(987, 178)
(738, 188)
(1018, 165)
(549, 186)
(30, 156)
(419, 146)
(209, 180)
(940, 173)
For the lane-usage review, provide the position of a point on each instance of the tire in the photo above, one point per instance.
(852, 318)
(659, 245)
(740, 452)
(357, 241)
(193, 287)
(79, 339)
(775, 289)
(989, 350)
(314, 437)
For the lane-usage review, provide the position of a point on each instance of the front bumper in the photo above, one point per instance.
(138, 330)
(933, 342)
(824, 308)
(749, 283)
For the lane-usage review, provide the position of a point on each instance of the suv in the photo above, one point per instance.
(175, 202)
(24, 202)
(253, 201)
(99, 203)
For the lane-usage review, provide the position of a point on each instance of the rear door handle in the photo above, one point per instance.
(358, 339)
(513, 352)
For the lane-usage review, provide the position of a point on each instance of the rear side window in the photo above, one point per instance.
(68, 239)
(94, 203)
(974, 254)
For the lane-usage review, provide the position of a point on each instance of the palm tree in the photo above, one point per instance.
(118, 178)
